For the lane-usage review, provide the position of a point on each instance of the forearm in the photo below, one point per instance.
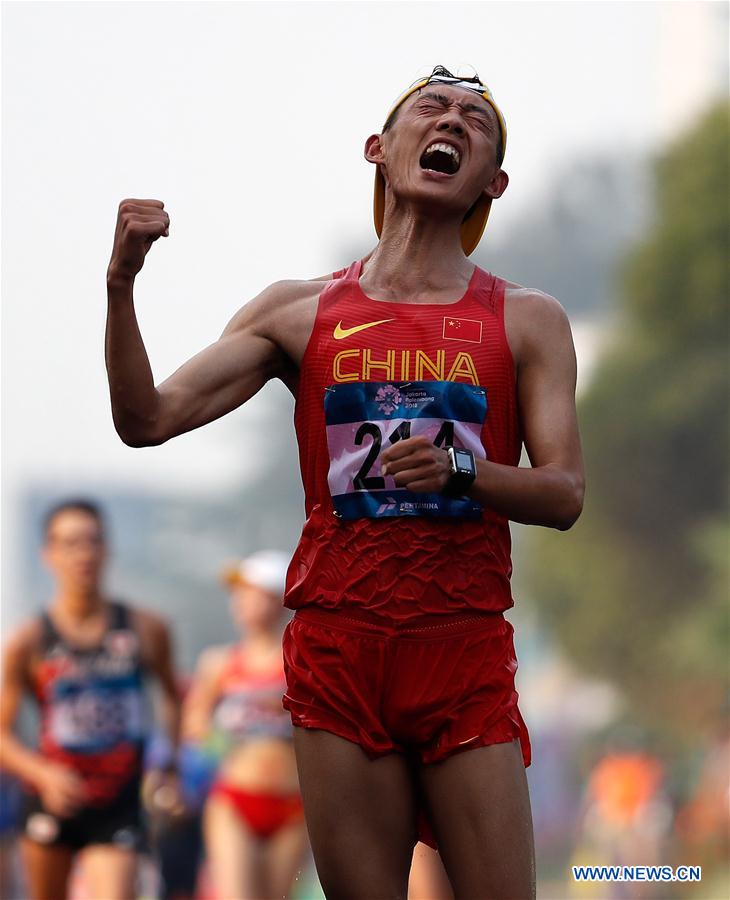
(544, 495)
(196, 720)
(171, 721)
(19, 760)
(134, 398)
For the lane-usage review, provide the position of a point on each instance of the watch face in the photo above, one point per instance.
(463, 460)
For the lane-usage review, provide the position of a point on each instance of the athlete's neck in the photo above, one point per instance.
(261, 639)
(77, 605)
(417, 258)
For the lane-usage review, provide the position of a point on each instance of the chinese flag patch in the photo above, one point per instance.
(462, 330)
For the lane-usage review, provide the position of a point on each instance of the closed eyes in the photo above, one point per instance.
(474, 113)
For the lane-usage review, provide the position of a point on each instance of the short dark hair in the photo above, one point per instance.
(76, 504)
(390, 121)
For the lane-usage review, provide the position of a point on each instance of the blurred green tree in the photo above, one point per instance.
(638, 592)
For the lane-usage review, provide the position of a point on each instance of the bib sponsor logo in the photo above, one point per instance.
(341, 333)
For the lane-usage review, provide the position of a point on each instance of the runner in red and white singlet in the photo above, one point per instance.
(253, 821)
(417, 378)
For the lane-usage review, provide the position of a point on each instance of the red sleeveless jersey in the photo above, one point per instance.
(374, 372)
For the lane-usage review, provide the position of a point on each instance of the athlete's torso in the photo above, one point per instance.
(249, 703)
(432, 366)
(254, 725)
(94, 717)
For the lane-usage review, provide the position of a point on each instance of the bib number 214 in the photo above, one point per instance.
(364, 418)
(364, 482)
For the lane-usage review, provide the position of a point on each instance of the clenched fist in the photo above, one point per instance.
(139, 224)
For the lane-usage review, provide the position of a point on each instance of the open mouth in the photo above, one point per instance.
(441, 158)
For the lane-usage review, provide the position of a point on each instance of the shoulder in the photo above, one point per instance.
(153, 631)
(276, 303)
(213, 660)
(533, 304)
(535, 320)
(23, 643)
(155, 640)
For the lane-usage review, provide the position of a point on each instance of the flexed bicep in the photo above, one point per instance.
(215, 381)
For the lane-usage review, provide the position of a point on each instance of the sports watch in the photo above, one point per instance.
(463, 471)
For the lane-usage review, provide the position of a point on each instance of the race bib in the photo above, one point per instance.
(251, 712)
(363, 419)
(94, 718)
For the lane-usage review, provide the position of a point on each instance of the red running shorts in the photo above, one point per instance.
(442, 687)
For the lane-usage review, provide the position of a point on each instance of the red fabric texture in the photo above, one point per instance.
(105, 775)
(264, 813)
(429, 691)
(403, 568)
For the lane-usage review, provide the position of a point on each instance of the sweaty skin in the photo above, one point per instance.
(479, 797)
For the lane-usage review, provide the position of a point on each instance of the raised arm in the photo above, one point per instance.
(215, 381)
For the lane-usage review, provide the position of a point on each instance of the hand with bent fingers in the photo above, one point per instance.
(162, 794)
(62, 790)
(418, 465)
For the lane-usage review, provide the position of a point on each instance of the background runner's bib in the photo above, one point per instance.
(365, 418)
(96, 715)
(366, 545)
(249, 704)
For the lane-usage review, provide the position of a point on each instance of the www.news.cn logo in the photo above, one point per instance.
(637, 873)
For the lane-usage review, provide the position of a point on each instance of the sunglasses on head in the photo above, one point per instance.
(443, 76)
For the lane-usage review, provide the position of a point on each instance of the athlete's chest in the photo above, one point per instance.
(397, 341)
(60, 668)
(405, 342)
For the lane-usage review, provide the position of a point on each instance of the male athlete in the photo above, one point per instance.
(417, 378)
(83, 660)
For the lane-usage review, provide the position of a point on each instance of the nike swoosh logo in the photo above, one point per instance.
(339, 333)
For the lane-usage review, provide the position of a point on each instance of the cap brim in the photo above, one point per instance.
(231, 575)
